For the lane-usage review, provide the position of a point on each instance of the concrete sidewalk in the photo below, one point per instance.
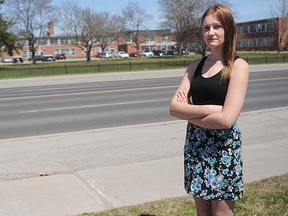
(141, 179)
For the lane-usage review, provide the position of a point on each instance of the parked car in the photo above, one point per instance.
(43, 58)
(185, 51)
(17, 59)
(61, 56)
(99, 55)
(147, 53)
(121, 54)
(158, 52)
(171, 52)
(36, 58)
(7, 59)
(104, 55)
(48, 58)
(134, 54)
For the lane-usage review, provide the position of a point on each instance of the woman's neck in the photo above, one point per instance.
(216, 57)
(216, 54)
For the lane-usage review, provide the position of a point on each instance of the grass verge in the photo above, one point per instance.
(263, 198)
(112, 65)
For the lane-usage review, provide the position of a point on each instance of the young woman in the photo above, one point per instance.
(210, 97)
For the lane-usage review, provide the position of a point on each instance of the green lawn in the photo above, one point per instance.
(268, 197)
(113, 65)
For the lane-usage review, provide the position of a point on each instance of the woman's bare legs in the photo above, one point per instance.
(214, 207)
(203, 207)
(223, 207)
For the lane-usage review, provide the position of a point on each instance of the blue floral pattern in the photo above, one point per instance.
(213, 163)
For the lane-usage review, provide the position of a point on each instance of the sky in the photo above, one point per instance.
(244, 10)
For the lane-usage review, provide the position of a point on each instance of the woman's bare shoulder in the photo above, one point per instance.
(241, 67)
(239, 62)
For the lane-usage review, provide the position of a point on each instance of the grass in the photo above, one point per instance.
(112, 65)
(268, 197)
(98, 66)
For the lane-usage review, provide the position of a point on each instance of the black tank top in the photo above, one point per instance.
(204, 91)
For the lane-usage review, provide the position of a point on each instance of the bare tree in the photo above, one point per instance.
(183, 17)
(81, 24)
(30, 19)
(280, 14)
(109, 27)
(87, 27)
(134, 18)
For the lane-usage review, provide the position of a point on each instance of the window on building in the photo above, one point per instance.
(65, 51)
(74, 41)
(239, 43)
(129, 39)
(72, 52)
(166, 38)
(253, 43)
(239, 29)
(261, 27)
(98, 50)
(54, 42)
(43, 42)
(245, 43)
(253, 28)
(270, 41)
(148, 39)
(64, 41)
(269, 26)
(245, 29)
(26, 54)
(261, 42)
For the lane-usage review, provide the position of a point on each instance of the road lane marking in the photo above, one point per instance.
(89, 92)
(118, 90)
(268, 79)
(91, 106)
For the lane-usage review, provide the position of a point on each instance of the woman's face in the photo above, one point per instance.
(213, 32)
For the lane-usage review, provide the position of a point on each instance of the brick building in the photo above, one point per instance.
(52, 44)
(255, 35)
(263, 34)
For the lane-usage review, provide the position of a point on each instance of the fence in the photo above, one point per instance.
(50, 69)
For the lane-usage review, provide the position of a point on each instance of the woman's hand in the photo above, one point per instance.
(182, 96)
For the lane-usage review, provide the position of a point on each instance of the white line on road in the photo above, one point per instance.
(91, 106)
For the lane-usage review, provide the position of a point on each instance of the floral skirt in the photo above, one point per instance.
(213, 163)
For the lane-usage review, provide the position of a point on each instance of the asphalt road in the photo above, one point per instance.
(48, 109)
(100, 169)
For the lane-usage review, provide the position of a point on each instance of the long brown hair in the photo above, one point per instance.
(225, 17)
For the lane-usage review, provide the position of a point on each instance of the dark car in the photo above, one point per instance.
(17, 59)
(134, 54)
(43, 58)
(61, 56)
(158, 52)
(171, 52)
(185, 51)
(37, 58)
(48, 58)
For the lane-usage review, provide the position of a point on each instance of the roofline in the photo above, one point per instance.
(252, 21)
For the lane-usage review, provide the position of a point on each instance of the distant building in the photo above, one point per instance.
(150, 40)
(254, 35)
(51, 44)
(262, 34)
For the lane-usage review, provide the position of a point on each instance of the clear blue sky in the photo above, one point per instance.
(246, 10)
